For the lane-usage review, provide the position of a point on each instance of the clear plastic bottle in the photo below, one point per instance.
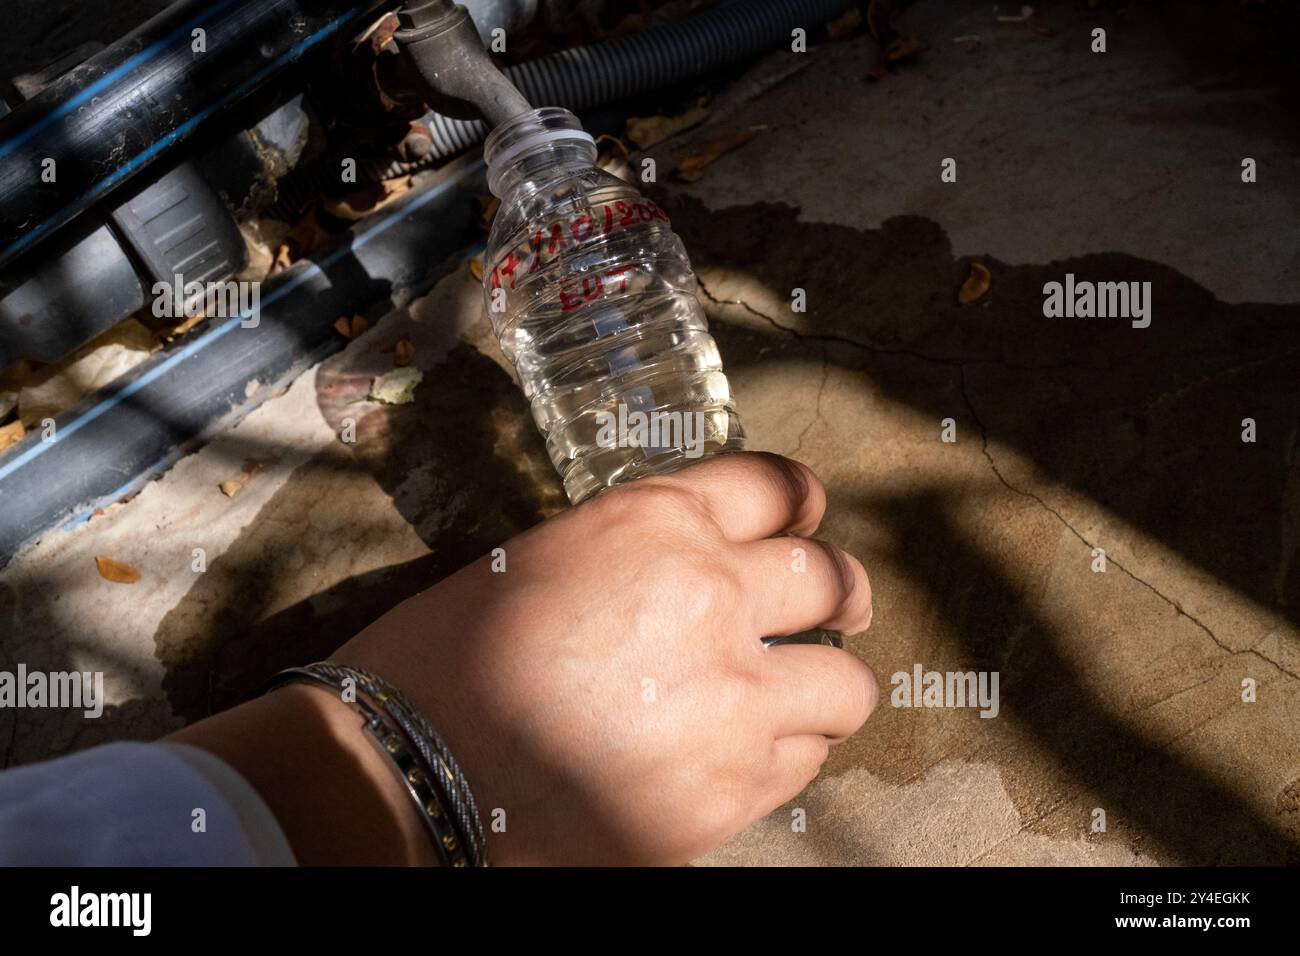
(592, 298)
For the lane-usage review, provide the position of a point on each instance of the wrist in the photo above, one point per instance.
(305, 752)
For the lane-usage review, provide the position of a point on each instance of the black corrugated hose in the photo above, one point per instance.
(605, 72)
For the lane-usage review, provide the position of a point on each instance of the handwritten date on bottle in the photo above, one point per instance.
(545, 245)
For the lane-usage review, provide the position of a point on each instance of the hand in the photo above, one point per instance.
(609, 691)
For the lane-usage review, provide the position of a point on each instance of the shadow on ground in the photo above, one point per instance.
(1145, 422)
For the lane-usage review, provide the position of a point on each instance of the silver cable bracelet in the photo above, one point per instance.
(430, 774)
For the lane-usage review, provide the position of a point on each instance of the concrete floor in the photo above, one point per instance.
(1120, 690)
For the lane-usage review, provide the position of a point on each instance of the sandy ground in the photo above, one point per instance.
(1120, 690)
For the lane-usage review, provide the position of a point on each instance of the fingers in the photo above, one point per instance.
(802, 583)
(815, 689)
(754, 495)
(796, 761)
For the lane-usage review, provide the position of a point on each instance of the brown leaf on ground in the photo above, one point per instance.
(350, 328)
(305, 236)
(251, 467)
(403, 352)
(1038, 26)
(232, 486)
(976, 284)
(11, 434)
(116, 571)
(904, 48)
(846, 25)
(476, 268)
(646, 131)
(692, 168)
(361, 203)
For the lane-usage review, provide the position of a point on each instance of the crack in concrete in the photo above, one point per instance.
(877, 349)
(1180, 691)
(817, 337)
(984, 438)
(817, 407)
(1176, 605)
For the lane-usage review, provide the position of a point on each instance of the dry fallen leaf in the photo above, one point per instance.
(1038, 26)
(476, 268)
(845, 25)
(305, 236)
(368, 199)
(116, 571)
(904, 48)
(403, 352)
(251, 467)
(11, 434)
(692, 167)
(976, 284)
(232, 486)
(351, 328)
(646, 131)
(396, 387)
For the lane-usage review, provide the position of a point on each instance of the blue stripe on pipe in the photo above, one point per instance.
(181, 131)
(108, 78)
(313, 270)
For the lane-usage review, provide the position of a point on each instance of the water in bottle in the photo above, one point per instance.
(592, 298)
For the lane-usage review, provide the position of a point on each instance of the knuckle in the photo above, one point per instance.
(839, 572)
(791, 479)
(700, 587)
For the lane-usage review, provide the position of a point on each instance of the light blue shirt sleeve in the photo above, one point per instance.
(136, 804)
